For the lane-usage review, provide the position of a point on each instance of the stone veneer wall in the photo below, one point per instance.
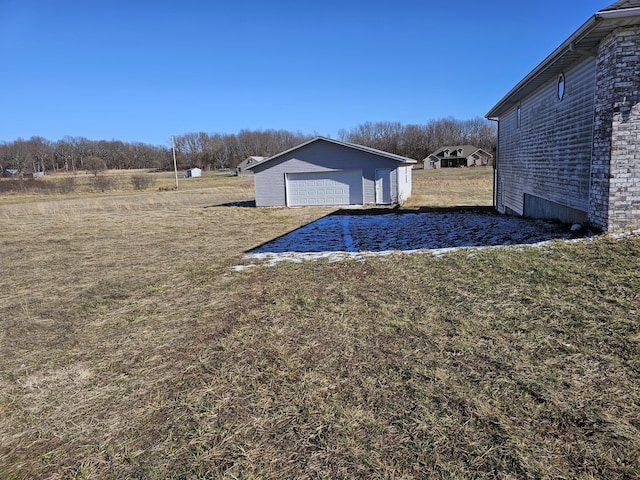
(614, 201)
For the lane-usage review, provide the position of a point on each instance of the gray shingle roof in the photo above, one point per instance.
(622, 4)
(373, 151)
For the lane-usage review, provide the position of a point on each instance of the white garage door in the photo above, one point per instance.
(343, 187)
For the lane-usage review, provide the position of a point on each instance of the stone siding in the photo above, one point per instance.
(614, 202)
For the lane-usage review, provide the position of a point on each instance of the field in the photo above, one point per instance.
(131, 348)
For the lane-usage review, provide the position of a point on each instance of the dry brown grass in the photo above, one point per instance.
(445, 187)
(130, 349)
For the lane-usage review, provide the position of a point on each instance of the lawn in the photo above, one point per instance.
(131, 348)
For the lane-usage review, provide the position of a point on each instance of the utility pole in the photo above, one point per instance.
(175, 165)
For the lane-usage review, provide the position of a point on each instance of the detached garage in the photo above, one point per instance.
(326, 172)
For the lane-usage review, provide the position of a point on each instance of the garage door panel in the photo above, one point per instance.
(342, 187)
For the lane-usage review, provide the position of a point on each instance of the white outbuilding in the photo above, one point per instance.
(194, 172)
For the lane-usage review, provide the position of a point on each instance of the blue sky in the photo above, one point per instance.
(141, 71)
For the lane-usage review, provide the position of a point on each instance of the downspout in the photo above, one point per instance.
(495, 163)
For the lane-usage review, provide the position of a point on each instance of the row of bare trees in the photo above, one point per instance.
(218, 151)
(418, 141)
(77, 153)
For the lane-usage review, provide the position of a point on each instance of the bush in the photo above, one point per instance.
(103, 183)
(66, 185)
(141, 182)
(26, 185)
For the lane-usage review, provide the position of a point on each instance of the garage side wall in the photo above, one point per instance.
(269, 179)
(269, 185)
(404, 182)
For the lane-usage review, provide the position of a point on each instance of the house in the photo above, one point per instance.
(458, 156)
(10, 172)
(323, 171)
(241, 169)
(194, 172)
(569, 132)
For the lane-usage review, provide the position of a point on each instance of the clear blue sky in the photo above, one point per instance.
(139, 70)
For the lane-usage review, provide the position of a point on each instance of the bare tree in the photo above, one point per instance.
(95, 165)
(217, 150)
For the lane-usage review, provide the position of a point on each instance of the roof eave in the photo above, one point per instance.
(391, 156)
(508, 99)
(571, 45)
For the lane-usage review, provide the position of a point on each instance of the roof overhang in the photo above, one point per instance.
(584, 42)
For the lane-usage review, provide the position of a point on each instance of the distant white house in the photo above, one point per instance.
(194, 172)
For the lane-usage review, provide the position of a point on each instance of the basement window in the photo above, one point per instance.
(561, 86)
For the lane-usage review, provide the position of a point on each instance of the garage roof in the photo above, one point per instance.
(584, 42)
(374, 151)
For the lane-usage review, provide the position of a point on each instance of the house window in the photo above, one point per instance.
(518, 117)
(561, 86)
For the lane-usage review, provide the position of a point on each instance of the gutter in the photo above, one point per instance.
(613, 14)
(495, 163)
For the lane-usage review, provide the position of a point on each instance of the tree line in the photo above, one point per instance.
(221, 151)
(418, 141)
(71, 153)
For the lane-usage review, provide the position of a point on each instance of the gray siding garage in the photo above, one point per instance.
(325, 172)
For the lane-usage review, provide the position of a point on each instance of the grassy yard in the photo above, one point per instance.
(129, 347)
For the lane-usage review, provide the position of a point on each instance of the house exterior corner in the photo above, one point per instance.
(615, 171)
(569, 132)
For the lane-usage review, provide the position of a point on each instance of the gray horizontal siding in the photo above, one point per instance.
(549, 156)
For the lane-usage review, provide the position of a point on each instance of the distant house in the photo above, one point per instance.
(194, 172)
(10, 172)
(458, 156)
(324, 171)
(241, 169)
(569, 131)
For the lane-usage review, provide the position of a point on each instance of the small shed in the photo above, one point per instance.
(323, 171)
(194, 172)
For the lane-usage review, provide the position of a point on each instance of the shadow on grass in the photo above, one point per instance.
(242, 203)
(388, 229)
